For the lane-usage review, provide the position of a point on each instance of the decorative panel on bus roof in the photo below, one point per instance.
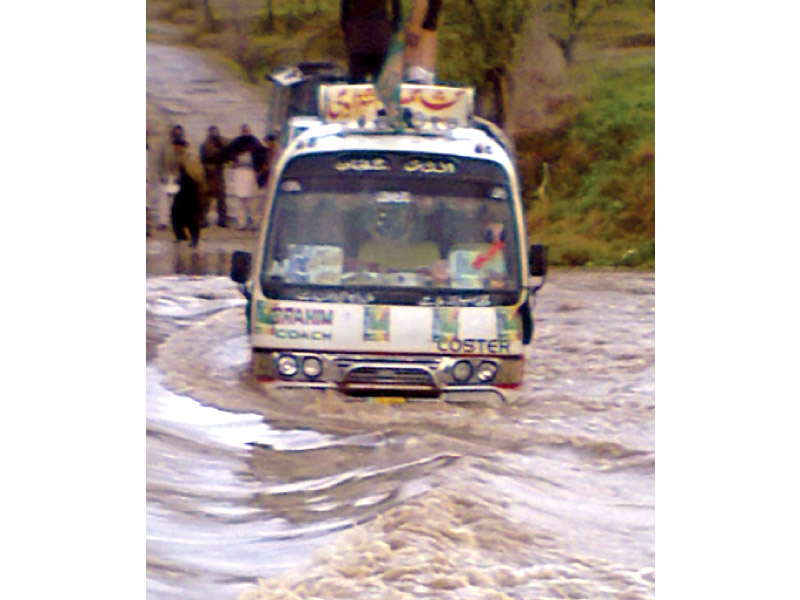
(350, 102)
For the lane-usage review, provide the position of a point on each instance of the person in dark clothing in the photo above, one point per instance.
(171, 153)
(246, 152)
(264, 159)
(368, 30)
(186, 212)
(177, 136)
(212, 155)
(244, 142)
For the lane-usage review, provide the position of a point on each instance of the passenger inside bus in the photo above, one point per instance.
(398, 239)
(474, 235)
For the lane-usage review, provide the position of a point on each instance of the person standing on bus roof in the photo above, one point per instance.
(421, 42)
(368, 29)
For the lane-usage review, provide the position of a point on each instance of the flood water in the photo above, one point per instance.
(254, 494)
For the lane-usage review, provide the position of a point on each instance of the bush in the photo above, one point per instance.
(599, 206)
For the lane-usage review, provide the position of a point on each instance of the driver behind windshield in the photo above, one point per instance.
(398, 234)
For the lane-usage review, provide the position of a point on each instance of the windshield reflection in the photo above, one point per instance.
(392, 238)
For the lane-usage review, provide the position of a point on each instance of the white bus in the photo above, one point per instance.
(393, 261)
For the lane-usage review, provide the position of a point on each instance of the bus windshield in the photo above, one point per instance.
(393, 221)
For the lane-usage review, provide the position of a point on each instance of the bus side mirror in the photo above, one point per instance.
(537, 260)
(240, 266)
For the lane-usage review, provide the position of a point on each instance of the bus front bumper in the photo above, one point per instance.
(421, 377)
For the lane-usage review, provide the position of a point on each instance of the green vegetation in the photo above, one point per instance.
(586, 145)
(599, 206)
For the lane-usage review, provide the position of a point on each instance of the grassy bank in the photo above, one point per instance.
(597, 206)
(587, 166)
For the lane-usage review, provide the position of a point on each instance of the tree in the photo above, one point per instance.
(211, 22)
(569, 19)
(477, 46)
(269, 18)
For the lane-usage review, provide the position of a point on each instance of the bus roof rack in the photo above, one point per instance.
(295, 90)
(306, 71)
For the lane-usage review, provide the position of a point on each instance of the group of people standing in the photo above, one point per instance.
(190, 184)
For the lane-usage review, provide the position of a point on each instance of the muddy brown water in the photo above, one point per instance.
(256, 494)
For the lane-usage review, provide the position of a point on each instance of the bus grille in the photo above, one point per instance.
(386, 377)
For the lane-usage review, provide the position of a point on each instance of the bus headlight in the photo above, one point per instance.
(487, 371)
(287, 365)
(312, 367)
(462, 371)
